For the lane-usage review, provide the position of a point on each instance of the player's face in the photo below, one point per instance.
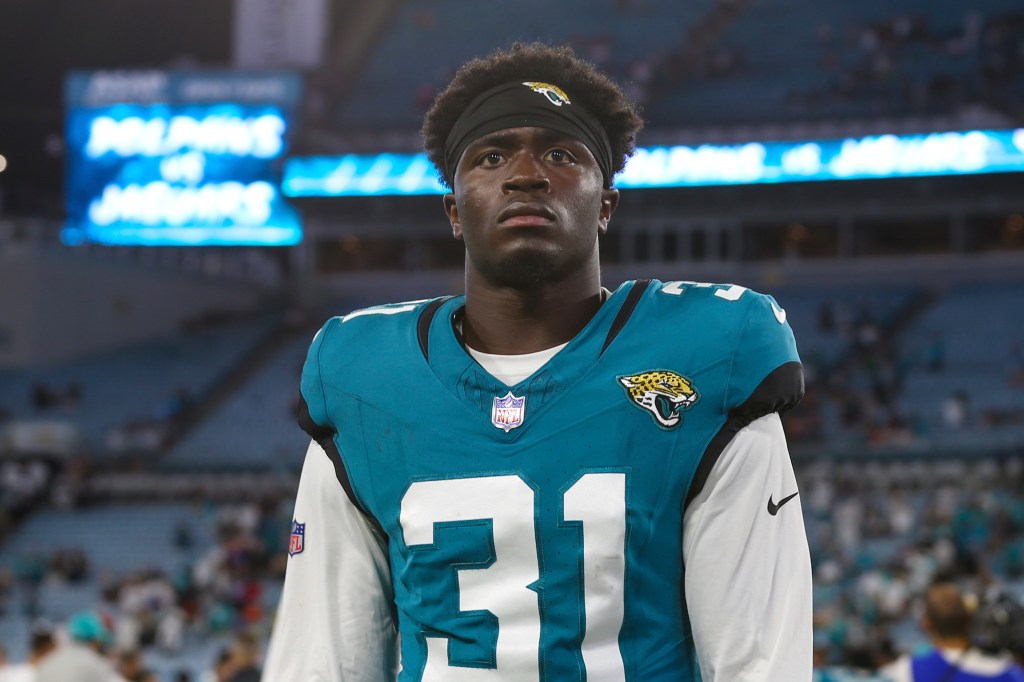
(529, 203)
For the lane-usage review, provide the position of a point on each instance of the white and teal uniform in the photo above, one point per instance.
(606, 517)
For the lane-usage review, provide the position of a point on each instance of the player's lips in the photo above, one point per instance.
(520, 214)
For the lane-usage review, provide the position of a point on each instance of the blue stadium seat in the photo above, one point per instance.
(138, 382)
(256, 428)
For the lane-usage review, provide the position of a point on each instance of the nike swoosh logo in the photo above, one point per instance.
(780, 314)
(773, 508)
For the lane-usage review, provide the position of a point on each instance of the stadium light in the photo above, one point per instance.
(3, 163)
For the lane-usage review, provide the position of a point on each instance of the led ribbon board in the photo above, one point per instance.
(882, 156)
(179, 158)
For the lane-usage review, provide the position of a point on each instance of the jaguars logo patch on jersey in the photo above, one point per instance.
(663, 393)
(555, 94)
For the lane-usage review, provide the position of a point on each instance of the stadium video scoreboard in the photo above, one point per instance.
(970, 152)
(179, 158)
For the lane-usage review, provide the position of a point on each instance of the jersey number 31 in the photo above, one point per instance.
(506, 586)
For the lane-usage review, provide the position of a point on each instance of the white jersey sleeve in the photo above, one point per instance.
(335, 620)
(748, 571)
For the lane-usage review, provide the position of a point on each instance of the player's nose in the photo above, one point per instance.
(525, 173)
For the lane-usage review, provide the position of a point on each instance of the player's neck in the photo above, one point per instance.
(506, 321)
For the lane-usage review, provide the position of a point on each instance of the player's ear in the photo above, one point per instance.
(609, 201)
(452, 211)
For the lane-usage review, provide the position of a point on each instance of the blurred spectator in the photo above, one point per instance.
(181, 403)
(45, 397)
(222, 593)
(41, 643)
(144, 599)
(956, 410)
(170, 630)
(132, 668)
(901, 64)
(221, 670)
(70, 565)
(867, 331)
(245, 659)
(183, 535)
(999, 626)
(880, 535)
(6, 588)
(947, 622)
(136, 436)
(81, 658)
(23, 482)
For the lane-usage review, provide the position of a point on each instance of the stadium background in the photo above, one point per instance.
(148, 452)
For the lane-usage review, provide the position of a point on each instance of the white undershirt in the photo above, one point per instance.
(511, 369)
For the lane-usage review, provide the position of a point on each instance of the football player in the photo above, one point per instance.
(544, 479)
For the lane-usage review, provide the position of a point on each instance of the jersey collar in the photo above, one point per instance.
(459, 373)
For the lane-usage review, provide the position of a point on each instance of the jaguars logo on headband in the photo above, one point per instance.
(555, 94)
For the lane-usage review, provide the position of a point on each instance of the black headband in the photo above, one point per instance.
(535, 104)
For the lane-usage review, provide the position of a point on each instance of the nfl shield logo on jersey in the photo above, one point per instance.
(298, 540)
(508, 412)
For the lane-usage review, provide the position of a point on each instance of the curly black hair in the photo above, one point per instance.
(619, 115)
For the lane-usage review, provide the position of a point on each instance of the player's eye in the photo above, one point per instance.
(560, 156)
(491, 158)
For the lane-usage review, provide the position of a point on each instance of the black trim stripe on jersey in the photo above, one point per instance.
(423, 324)
(325, 437)
(778, 392)
(628, 306)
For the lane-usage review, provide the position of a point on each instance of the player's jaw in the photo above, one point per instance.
(526, 245)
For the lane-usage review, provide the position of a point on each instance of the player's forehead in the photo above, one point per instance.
(510, 138)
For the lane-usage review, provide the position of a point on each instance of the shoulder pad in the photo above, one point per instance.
(766, 374)
(347, 342)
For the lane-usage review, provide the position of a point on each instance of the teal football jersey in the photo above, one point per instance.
(535, 530)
